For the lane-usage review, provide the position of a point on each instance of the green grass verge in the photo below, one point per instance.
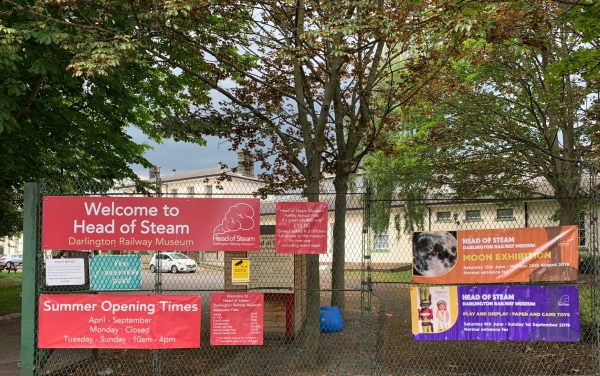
(10, 279)
(588, 320)
(10, 293)
(382, 276)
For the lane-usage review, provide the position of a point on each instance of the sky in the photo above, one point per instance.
(182, 156)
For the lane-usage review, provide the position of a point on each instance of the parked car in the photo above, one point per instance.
(11, 261)
(173, 262)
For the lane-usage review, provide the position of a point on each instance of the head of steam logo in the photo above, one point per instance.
(564, 301)
(238, 217)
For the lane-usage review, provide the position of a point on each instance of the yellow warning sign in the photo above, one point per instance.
(240, 271)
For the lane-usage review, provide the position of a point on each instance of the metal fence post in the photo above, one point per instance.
(366, 285)
(156, 355)
(31, 233)
(595, 256)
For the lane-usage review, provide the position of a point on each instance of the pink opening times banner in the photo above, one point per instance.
(301, 227)
(150, 223)
(119, 321)
(236, 318)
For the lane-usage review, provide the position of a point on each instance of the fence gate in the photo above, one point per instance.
(280, 279)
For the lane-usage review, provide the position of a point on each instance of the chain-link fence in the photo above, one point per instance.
(281, 279)
(377, 336)
(390, 270)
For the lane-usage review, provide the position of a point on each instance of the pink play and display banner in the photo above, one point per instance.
(119, 321)
(150, 223)
(236, 318)
(301, 227)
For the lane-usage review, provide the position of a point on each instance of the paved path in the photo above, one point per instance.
(10, 342)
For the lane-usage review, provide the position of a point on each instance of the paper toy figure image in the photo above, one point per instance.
(442, 316)
(425, 313)
(424, 296)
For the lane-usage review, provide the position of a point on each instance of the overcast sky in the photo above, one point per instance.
(183, 156)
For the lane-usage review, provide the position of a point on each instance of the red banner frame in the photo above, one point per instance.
(119, 321)
(150, 223)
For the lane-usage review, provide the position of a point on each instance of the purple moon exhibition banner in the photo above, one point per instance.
(496, 313)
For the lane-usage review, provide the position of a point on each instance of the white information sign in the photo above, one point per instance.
(65, 272)
(271, 271)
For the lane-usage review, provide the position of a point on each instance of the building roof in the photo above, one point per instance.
(205, 173)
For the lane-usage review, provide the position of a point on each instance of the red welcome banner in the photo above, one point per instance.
(150, 223)
(301, 227)
(119, 321)
(236, 318)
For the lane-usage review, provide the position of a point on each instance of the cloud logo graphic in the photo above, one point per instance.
(238, 217)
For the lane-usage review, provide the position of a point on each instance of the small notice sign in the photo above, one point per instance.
(65, 272)
(240, 271)
(115, 272)
(301, 227)
(236, 318)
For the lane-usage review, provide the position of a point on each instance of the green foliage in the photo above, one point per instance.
(583, 18)
(405, 176)
(403, 276)
(590, 322)
(516, 119)
(72, 80)
(513, 114)
(405, 171)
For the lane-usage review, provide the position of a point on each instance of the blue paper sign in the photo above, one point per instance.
(115, 273)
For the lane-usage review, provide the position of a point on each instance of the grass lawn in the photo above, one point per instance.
(10, 293)
(585, 311)
(383, 276)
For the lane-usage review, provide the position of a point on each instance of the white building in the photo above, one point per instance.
(11, 245)
(385, 250)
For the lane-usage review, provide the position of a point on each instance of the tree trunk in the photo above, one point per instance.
(339, 241)
(567, 188)
(312, 326)
(568, 211)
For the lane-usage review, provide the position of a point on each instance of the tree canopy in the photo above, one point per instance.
(71, 83)
(515, 111)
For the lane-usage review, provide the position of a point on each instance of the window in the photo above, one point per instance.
(174, 191)
(190, 190)
(444, 216)
(208, 190)
(581, 228)
(505, 214)
(473, 215)
(381, 242)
